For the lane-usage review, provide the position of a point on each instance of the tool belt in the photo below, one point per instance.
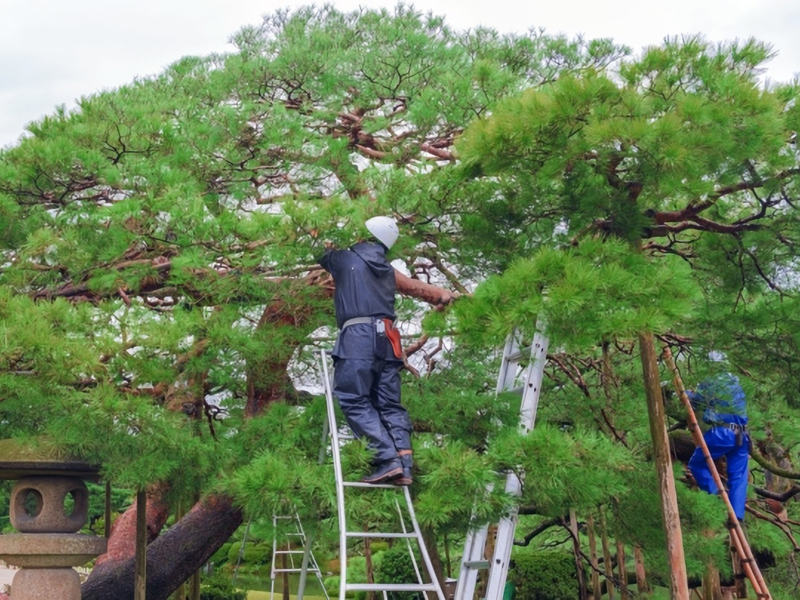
(383, 325)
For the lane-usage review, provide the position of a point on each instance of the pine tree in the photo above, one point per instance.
(159, 296)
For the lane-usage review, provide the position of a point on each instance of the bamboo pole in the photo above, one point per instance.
(679, 584)
(140, 586)
(737, 534)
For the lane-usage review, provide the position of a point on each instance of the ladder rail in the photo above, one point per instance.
(476, 540)
(333, 432)
(408, 542)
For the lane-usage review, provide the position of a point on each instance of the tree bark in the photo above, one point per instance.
(174, 556)
(679, 586)
(122, 543)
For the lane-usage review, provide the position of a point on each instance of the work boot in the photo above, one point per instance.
(407, 460)
(385, 472)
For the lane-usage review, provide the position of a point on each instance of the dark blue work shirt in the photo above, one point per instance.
(365, 287)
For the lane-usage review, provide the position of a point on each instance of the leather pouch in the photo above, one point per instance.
(393, 335)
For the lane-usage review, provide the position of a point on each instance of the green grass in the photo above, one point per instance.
(278, 596)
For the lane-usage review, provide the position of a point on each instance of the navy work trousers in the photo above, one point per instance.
(369, 395)
(721, 441)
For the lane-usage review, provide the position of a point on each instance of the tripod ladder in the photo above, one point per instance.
(475, 545)
(336, 436)
(308, 563)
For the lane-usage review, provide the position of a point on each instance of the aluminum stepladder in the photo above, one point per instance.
(474, 547)
(344, 534)
(308, 563)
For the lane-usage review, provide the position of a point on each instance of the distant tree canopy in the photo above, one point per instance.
(157, 267)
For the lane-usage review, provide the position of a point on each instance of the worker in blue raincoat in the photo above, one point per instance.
(367, 355)
(723, 402)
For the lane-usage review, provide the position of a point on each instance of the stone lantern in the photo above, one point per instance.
(49, 505)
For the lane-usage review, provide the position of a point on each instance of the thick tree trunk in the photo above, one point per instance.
(122, 542)
(679, 586)
(174, 556)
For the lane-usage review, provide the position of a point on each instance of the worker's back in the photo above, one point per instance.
(365, 283)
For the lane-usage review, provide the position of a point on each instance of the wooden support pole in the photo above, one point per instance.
(576, 547)
(180, 593)
(679, 585)
(140, 578)
(596, 589)
(609, 567)
(623, 571)
(107, 512)
(738, 574)
(737, 534)
(194, 586)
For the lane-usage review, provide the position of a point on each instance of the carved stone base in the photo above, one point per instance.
(46, 584)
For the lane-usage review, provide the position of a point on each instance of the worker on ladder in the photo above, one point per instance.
(723, 402)
(367, 355)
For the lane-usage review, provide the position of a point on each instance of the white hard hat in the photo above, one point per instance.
(384, 229)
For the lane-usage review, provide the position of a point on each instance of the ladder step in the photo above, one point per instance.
(516, 356)
(390, 587)
(309, 570)
(376, 534)
(477, 564)
(290, 551)
(380, 486)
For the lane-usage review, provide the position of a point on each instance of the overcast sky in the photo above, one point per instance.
(54, 51)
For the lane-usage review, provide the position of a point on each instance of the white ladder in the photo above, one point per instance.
(473, 559)
(344, 534)
(308, 563)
